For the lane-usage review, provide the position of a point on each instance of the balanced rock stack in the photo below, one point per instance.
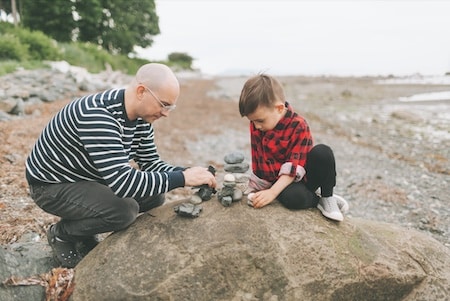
(229, 193)
(235, 181)
(234, 164)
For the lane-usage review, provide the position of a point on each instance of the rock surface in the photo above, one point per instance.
(240, 253)
(23, 261)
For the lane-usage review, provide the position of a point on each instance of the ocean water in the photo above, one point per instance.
(434, 107)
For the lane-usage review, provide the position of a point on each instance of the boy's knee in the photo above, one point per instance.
(320, 154)
(322, 149)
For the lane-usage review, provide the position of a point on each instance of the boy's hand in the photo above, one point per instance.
(263, 198)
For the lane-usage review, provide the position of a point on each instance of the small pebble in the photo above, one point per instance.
(237, 195)
(236, 168)
(241, 177)
(195, 199)
(229, 178)
(229, 184)
(233, 158)
(226, 201)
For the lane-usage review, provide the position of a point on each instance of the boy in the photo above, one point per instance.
(285, 164)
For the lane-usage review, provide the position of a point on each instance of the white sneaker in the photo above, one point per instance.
(342, 203)
(329, 208)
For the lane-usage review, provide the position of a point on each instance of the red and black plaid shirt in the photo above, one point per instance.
(289, 141)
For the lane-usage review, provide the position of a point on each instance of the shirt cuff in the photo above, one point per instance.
(176, 179)
(286, 169)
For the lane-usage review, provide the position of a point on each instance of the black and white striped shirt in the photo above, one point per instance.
(91, 139)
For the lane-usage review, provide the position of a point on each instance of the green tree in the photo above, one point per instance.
(181, 59)
(115, 25)
(53, 17)
(90, 20)
(5, 5)
(118, 25)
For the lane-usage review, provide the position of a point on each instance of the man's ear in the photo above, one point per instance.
(140, 91)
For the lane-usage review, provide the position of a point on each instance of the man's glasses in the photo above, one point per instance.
(164, 106)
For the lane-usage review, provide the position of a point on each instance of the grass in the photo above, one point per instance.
(88, 56)
(10, 66)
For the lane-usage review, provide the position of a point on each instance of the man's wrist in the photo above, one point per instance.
(176, 179)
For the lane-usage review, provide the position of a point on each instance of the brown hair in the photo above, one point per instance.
(260, 90)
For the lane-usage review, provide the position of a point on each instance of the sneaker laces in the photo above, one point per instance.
(329, 208)
(341, 202)
(330, 205)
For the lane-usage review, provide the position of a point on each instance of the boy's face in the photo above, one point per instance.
(266, 118)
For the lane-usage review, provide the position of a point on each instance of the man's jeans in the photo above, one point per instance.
(88, 208)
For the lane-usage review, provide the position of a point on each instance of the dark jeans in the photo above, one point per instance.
(89, 208)
(320, 172)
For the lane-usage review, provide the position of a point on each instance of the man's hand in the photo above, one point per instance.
(196, 176)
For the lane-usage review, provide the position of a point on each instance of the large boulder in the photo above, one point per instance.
(25, 260)
(241, 253)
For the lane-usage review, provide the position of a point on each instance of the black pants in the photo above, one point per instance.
(89, 208)
(320, 172)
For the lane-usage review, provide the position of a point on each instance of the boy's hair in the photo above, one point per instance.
(260, 90)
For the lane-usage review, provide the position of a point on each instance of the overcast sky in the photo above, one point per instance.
(307, 37)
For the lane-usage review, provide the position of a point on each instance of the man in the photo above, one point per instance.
(79, 169)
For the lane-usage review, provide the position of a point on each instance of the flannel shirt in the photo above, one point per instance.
(289, 141)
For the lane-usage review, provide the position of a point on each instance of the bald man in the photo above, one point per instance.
(79, 168)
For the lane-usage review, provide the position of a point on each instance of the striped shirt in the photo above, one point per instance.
(290, 141)
(92, 139)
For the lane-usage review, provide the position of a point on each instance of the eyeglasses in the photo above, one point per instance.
(164, 106)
